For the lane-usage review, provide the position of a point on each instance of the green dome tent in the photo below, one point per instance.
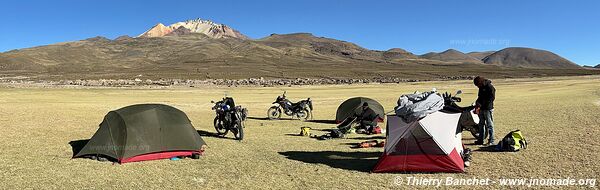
(352, 106)
(144, 132)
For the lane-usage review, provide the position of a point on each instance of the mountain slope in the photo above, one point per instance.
(199, 56)
(201, 49)
(480, 55)
(306, 44)
(451, 55)
(157, 30)
(528, 58)
(195, 54)
(206, 27)
(397, 53)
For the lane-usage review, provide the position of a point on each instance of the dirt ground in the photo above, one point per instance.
(559, 117)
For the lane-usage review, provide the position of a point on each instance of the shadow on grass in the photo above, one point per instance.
(356, 145)
(487, 149)
(355, 161)
(323, 121)
(367, 138)
(267, 119)
(324, 130)
(204, 133)
(77, 145)
(352, 144)
(472, 143)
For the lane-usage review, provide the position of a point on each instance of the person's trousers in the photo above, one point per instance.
(486, 125)
(368, 125)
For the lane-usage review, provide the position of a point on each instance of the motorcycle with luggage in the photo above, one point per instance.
(229, 117)
(301, 110)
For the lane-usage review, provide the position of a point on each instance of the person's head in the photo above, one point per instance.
(478, 81)
(365, 106)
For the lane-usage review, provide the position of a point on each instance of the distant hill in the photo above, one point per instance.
(480, 55)
(200, 49)
(398, 53)
(597, 66)
(199, 56)
(528, 58)
(305, 44)
(451, 55)
(121, 38)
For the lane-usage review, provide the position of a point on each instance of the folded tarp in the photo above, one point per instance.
(412, 107)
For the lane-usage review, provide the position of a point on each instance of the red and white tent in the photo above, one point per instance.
(431, 144)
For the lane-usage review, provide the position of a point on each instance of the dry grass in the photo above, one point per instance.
(559, 117)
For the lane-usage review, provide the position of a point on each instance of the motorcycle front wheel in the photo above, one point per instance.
(238, 130)
(274, 113)
(221, 130)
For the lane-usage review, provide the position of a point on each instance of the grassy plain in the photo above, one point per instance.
(559, 116)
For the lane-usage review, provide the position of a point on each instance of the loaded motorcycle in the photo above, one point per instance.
(301, 110)
(229, 118)
(469, 121)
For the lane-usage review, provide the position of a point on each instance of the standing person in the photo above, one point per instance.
(484, 107)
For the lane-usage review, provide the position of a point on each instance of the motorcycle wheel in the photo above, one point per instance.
(244, 114)
(221, 130)
(243, 118)
(238, 132)
(303, 114)
(274, 113)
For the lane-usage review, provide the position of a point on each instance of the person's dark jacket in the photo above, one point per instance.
(368, 116)
(486, 95)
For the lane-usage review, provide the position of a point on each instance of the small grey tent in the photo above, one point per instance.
(352, 107)
(144, 132)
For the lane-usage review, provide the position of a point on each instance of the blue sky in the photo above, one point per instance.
(568, 28)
